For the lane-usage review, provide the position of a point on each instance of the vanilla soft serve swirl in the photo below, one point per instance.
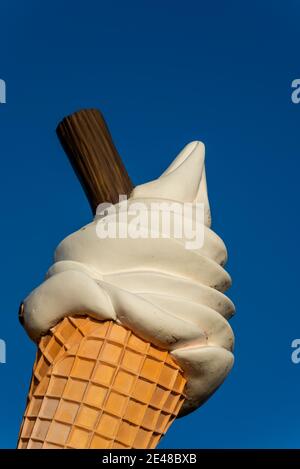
(167, 294)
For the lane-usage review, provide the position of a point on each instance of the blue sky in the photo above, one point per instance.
(163, 73)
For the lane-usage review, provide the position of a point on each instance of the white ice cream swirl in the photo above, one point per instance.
(165, 293)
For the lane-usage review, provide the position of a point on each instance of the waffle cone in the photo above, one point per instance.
(97, 385)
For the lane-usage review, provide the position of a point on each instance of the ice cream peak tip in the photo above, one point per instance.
(183, 181)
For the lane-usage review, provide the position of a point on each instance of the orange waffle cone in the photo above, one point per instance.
(97, 385)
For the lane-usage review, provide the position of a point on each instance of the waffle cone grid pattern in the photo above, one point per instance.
(97, 385)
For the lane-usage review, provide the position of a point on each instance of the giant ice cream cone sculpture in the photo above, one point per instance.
(131, 322)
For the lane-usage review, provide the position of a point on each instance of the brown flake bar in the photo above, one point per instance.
(88, 144)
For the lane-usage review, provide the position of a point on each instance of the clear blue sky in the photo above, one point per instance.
(163, 73)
